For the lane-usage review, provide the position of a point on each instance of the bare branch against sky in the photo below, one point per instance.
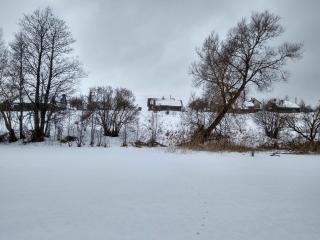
(147, 46)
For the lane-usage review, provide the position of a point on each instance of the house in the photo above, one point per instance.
(28, 106)
(256, 103)
(282, 106)
(163, 104)
(251, 106)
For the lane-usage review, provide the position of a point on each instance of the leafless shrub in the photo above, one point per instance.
(272, 123)
(114, 108)
(306, 125)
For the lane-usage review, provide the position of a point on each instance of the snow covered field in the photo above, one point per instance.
(61, 193)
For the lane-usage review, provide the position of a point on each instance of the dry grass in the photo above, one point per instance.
(214, 146)
(305, 147)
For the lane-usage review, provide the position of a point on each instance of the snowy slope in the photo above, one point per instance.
(126, 193)
(166, 125)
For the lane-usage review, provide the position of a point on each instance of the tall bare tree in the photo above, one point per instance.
(51, 69)
(226, 69)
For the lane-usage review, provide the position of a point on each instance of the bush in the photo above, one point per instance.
(69, 139)
(304, 147)
(4, 138)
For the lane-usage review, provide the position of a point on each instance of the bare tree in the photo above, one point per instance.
(306, 124)
(114, 108)
(226, 69)
(51, 70)
(271, 122)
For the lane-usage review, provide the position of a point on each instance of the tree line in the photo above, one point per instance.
(39, 67)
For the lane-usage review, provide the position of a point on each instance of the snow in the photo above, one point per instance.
(248, 104)
(167, 122)
(168, 102)
(57, 192)
(288, 104)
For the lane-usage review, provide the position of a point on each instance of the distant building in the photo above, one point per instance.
(256, 103)
(163, 104)
(253, 105)
(282, 106)
(28, 106)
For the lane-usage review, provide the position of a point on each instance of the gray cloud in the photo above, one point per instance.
(148, 46)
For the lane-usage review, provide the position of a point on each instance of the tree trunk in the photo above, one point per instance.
(21, 124)
(38, 134)
(12, 136)
(21, 99)
(204, 135)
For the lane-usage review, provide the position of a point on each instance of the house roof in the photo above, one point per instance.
(248, 104)
(168, 102)
(288, 104)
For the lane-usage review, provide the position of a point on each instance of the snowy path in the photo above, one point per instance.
(146, 194)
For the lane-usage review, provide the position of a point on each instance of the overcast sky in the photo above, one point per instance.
(148, 46)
